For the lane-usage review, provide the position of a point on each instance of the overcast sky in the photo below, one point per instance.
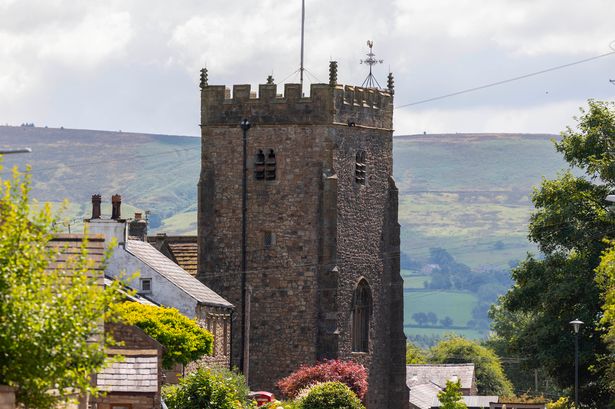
(134, 64)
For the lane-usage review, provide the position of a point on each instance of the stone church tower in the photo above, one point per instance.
(320, 278)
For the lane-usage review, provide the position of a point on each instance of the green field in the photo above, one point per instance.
(468, 194)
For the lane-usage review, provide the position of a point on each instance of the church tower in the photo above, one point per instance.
(304, 240)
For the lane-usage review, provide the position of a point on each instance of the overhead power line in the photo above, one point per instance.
(506, 81)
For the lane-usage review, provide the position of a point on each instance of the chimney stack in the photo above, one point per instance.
(96, 206)
(116, 204)
(137, 228)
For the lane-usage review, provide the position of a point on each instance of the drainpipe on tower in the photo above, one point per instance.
(244, 360)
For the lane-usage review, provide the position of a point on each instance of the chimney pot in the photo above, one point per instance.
(96, 206)
(116, 204)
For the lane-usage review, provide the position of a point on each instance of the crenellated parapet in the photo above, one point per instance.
(325, 105)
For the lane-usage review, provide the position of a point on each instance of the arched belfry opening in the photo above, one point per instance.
(361, 314)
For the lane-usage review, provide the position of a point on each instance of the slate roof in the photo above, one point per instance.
(68, 247)
(175, 274)
(439, 374)
(424, 396)
(134, 297)
(479, 401)
(183, 250)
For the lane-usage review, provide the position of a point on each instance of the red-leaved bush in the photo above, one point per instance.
(347, 372)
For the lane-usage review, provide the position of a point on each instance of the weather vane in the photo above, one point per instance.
(370, 81)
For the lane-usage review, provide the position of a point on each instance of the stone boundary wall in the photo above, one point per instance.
(7, 397)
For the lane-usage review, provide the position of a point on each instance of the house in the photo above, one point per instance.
(438, 374)
(160, 279)
(135, 381)
(183, 250)
(426, 381)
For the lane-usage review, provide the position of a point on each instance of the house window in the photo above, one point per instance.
(361, 311)
(259, 165)
(146, 285)
(268, 239)
(359, 170)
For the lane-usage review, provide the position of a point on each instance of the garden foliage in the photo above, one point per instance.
(183, 339)
(451, 396)
(349, 373)
(48, 315)
(331, 395)
(208, 389)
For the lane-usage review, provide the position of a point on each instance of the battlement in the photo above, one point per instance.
(325, 105)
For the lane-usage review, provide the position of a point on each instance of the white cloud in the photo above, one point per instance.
(97, 37)
(547, 118)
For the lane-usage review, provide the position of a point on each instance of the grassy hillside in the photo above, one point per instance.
(152, 172)
(468, 194)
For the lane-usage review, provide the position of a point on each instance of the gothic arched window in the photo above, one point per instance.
(361, 312)
(359, 170)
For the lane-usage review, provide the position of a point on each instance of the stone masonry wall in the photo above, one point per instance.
(283, 275)
(328, 232)
(368, 248)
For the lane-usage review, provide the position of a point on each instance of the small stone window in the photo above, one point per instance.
(146, 285)
(265, 165)
(360, 167)
(268, 239)
(361, 312)
(270, 165)
(259, 165)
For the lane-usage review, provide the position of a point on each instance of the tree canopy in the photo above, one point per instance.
(490, 377)
(49, 313)
(569, 225)
(183, 339)
(451, 397)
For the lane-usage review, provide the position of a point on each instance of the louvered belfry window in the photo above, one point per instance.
(270, 165)
(259, 165)
(361, 311)
(265, 165)
(360, 167)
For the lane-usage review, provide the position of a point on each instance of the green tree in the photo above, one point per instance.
(569, 225)
(451, 397)
(208, 389)
(331, 395)
(605, 277)
(414, 354)
(490, 377)
(183, 339)
(48, 312)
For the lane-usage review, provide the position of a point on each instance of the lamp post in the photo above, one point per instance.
(576, 325)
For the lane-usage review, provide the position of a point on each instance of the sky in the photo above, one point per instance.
(133, 65)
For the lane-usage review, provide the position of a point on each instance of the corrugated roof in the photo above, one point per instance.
(174, 273)
(439, 374)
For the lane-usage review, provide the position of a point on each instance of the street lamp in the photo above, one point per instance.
(576, 325)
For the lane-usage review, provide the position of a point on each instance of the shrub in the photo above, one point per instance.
(208, 389)
(183, 339)
(331, 395)
(349, 373)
